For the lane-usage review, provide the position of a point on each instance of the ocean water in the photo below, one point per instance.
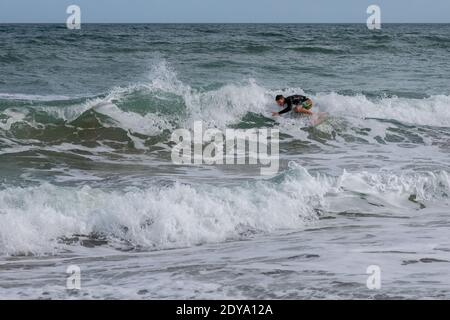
(86, 176)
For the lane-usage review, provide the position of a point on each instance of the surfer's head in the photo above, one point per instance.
(280, 100)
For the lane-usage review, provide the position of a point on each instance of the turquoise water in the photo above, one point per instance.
(86, 173)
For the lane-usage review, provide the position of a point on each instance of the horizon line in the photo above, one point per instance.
(276, 23)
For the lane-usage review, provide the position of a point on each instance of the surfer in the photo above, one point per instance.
(296, 103)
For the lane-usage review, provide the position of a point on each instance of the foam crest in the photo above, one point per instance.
(431, 111)
(34, 219)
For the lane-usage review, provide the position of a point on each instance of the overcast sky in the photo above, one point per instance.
(168, 11)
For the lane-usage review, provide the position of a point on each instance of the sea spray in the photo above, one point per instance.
(37, 219)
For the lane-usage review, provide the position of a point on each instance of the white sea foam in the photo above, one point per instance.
(432, 111)
(228, 104)
(148, 124)
(11, 117)
(34, 218)
(33, 97)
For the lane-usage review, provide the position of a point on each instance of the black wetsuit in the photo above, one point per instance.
(293, 101)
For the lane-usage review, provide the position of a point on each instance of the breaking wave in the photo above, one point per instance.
(46, 218)
(165, 103)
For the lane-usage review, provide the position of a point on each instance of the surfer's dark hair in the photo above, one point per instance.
(279, 97)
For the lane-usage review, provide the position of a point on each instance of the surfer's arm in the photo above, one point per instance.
(285, 110)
